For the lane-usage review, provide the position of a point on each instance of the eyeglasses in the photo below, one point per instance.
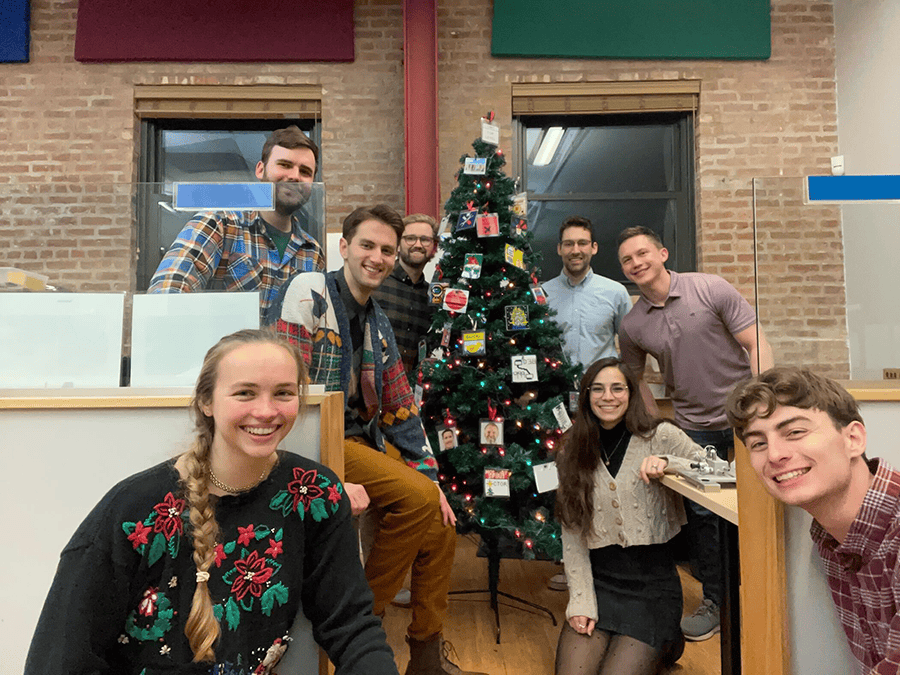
(411, 239)
(615, 389)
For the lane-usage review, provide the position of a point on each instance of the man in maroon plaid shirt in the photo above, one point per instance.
(807, 442)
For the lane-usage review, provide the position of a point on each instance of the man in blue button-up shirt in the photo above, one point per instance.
(589, 307)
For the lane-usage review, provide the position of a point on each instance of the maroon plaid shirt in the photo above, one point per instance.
(864, 576)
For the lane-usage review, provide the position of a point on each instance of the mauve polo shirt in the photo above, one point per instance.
(691, 335)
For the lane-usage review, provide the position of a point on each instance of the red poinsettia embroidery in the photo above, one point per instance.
(148, 602)
(304, 488)
(274, 549)
(220, 554)
(140, 534)
(168, 516)
(246, 534)
(252, 575)
(333, 495)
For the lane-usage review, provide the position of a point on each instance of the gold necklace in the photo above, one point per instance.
(608, 458)
(233, 490)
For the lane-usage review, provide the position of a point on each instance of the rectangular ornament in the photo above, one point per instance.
(562, 417)
(520, 204)
(524, 368)
(487, 225)
(466, 220)
(474, 343)
(436, 292)
(475, 166)
(445, 335)
(539, 296)
(516, 317)
(546, 477)
(496, 482)
(490, 133)
(472, 268)
(573, 401)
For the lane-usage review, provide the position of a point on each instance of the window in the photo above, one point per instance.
(617, 166)
(206, 134)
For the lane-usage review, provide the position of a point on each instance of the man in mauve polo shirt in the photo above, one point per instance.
(705, 337)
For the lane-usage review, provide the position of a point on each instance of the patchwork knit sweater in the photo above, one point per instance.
(309, 313)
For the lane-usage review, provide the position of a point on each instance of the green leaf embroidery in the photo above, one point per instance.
(217, 610)
(157, 548)
(282, 502)
(278, 534)
(317, 509)
(277, 594)
(174, 543)
(232, 614)
(229, 547)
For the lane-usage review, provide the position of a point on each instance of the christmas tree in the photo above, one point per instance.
(496, 392)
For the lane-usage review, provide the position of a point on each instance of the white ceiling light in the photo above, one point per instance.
(548, 146)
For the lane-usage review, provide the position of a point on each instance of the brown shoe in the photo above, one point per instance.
(431, 657)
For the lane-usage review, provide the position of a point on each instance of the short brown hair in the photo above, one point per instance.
(291, 138)
(637, 231)
(421, 218)
(789, 386)
(380, 212)
(576, 221)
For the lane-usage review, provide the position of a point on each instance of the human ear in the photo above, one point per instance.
(855, 438)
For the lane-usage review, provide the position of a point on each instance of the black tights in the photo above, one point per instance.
(603, 653)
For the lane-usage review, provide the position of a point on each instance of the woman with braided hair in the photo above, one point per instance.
(201, 564)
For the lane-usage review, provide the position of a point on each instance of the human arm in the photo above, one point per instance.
(192, 259)
(754, 341)
(446, 510)
(636, 359)
(582, 597)
(338, 601)
(671, 450)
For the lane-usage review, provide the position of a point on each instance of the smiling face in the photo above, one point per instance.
(491, 433)
(417, 245)
(291, 170)
(448, 439)
(802, 458)
(576, 250)
(643, 262)
(609, 396)
(254, 403)
(368, 257)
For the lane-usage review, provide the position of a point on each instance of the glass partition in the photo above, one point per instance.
(826, 298)
(73, 241)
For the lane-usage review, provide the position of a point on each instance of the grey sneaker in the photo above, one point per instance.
(703, 623)
(558, 582)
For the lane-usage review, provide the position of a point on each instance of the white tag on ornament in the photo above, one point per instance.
(562, 417)
(573, 401)
(418, 395)
(546, 477)
(524, 368)
(490, 133)
(496, 482)
(475, 166)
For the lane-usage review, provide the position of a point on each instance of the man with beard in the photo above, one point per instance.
(404, 294)
(251, 250)
(589, 308)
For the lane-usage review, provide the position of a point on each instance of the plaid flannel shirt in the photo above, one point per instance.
(231, 251)
(309, 313)
(864, 576)
(409, 310)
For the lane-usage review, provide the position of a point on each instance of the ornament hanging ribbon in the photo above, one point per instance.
(492, 410)
(490, 116)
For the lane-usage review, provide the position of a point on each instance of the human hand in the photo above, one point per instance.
(653, 467)
(359, 498)
(446, 511)
(582, 624)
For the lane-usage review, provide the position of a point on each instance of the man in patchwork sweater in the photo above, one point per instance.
(349, 346)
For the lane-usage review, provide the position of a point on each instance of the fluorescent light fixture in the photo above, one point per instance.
(548, 146)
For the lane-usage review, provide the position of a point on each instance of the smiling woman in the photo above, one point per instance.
(206, 558)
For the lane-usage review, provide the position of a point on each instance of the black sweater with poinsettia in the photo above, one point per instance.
(125, 582)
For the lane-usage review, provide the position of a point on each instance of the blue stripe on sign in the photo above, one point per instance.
(224, 196)
(853, 188)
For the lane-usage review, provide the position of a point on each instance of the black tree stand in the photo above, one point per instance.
(492, 546)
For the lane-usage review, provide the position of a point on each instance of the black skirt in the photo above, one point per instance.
(638, 593)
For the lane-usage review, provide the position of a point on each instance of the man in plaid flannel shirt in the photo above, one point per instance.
(807, 442)
(347, 341)
(254, 250)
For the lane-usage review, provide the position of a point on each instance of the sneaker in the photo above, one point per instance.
(403, 598)
(558, 582)
(703, 623)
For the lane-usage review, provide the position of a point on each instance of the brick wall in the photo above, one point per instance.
(65, 121)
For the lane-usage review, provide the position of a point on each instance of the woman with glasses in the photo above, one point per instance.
(625, 600)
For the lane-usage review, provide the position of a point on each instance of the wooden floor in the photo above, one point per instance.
(528, 637)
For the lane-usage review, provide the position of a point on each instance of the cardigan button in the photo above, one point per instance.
(618, 521)
(615, 503)
(612, 485)
(621, 537)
